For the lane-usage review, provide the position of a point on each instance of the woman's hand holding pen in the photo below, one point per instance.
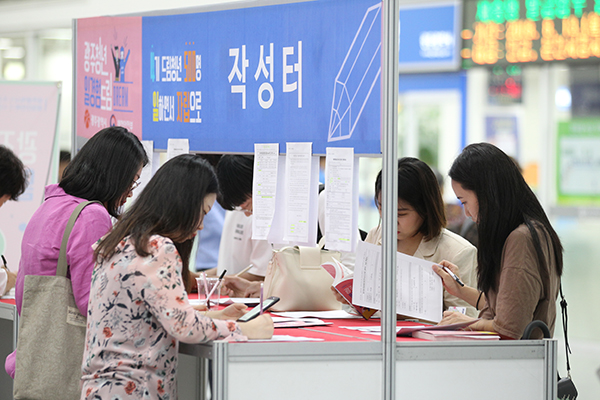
(231, 312)
(260, 327)
(450, 279)
(234, 286)
(451, 284)
(454, 317)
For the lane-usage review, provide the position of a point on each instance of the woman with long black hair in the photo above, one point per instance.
(519, 261)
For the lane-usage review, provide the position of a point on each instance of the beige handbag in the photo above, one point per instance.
(51, 334)
(295, 276)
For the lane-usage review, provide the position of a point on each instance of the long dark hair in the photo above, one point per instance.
(105, 167)
(418, 186)
(171, 205)
(505, 202)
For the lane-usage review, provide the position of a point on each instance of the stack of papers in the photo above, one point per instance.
(407, 330)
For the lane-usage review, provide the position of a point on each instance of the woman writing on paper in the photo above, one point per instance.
(520, 254)
(138, 310)
(105, 169)
(421, 221)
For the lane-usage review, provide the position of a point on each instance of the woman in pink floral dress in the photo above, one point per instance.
(138, 309)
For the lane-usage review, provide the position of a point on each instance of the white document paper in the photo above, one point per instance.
(341, 199)
(298, 160)
(264, 188)
(176, 147)
(371, 330)
(333, 314)
(278, 227)
(287, 338)
(419, 290)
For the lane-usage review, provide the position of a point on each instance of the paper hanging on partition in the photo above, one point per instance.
(278, 225)
(298, 160)
(176, 147)
(419, 290)
(264, 188)
(341, 199)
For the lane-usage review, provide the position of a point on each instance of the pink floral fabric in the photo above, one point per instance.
(137, 313)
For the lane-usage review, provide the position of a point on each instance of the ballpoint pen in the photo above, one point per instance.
(452, 275)
(205, 287)
(214, 288)
(244, 270)
(261, 298)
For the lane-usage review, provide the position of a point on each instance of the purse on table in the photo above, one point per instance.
(295, 276)
(51, 333)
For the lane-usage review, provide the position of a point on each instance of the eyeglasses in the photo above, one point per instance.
(245, 206)
(134, 185)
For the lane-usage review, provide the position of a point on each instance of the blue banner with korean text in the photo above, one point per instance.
(300, 72)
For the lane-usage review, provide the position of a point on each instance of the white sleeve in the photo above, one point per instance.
(262, 251)
(3, 280)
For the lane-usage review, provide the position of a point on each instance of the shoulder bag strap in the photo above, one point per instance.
(565, 322)
(62, 267)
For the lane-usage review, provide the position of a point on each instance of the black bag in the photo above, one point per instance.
(566, 388)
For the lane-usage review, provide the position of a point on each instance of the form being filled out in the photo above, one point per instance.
(419, 290)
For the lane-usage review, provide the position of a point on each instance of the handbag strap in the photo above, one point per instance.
(565, 322)
(62, 267)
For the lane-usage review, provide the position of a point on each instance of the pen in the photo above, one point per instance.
(452, 275)
(6, 266)
(261, 298)
(205, 287)
(244, 270)
(214, 288)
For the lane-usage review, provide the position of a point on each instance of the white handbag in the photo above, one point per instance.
(295, 276)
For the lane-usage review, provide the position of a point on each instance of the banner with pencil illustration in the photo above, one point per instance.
(296, 72)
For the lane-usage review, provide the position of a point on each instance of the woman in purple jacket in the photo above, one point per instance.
(106, 169)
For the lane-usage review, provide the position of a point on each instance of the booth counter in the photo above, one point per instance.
(348, 365)
(343, 367)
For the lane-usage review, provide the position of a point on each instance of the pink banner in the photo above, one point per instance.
(109, 74)
(29, 114)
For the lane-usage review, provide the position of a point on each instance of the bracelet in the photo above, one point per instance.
(478, 298)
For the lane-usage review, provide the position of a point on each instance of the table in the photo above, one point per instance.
(349, 365)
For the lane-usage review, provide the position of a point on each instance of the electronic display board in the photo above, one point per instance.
(526, 31)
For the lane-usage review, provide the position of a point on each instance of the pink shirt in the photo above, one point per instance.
(41, 245)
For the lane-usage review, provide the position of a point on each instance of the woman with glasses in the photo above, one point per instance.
(105, 169)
